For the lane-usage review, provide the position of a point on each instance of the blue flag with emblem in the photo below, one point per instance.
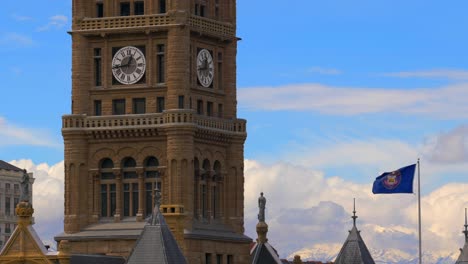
(399, 181)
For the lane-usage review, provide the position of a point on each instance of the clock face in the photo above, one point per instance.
(128, 65)
(205, 68)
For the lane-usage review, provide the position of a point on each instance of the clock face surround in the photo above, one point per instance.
(128, 65)
(205, 68)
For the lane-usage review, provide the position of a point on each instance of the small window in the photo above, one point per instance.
(118, 107)
(199, 107)
(161, 63)
(181, 102)
(97, 67)
(99, 10)
(97, 107)
(162, 6)
(139, 8)
(7, 186)
(160, 104)
(230, 259)
(202, 10)
(220, 110)
(139, 105)
(208, 258)
(209, 108)
(220, 71)
(196, 9)
(125, 9)
(219, 259)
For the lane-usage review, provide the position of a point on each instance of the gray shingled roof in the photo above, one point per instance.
(156, 244)
(7, 166)
(264, 253)
(354, 250)
(463, 258)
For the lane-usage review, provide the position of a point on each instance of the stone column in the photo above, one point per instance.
(141, 194)
(96, 194)
(118, 195)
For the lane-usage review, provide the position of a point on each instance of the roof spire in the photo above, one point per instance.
(466, 228)
(354, 217)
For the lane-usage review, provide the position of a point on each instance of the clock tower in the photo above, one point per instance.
(154, 106)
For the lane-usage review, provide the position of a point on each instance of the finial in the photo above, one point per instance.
(354, 217)
(262, 227)
(466, 228)
(157, 204)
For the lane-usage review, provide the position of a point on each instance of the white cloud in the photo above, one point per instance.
(21, 18)
(300, 200)
(47, 197)
(55, 22)
(324, 71)
(449, 147)
(444, 102)
(15, 135)
(15, 39)
(451, 74)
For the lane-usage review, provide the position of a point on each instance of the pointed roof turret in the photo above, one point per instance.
(262, 252)
(463, 258)
(354, 250)
(156, 244)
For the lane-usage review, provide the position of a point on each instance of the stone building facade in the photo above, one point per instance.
(154, 106)
(10, 194)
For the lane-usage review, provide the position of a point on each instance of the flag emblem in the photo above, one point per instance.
(392, 180)
(398, 181)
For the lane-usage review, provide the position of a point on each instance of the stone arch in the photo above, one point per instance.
(147, 152)
(218, 155)
(101, 154)
(197, 153)
(124, 153)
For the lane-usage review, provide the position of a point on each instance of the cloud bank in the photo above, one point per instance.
(444, 103)
(47, 197)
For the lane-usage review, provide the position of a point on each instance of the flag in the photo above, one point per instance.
(399, 181)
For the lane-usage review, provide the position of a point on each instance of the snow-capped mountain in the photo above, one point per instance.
(328, 252)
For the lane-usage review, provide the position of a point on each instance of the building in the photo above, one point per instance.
(354, 249)
(10, 194)
(154, 105)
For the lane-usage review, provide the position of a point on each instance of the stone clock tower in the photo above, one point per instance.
(154, 106)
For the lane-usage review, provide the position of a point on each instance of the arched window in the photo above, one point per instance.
(130, 187)
(152, 181)
(108, 190)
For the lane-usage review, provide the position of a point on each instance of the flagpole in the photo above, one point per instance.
(419, 212)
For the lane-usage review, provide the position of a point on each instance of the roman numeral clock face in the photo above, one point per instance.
(128, 65)
(205, 68)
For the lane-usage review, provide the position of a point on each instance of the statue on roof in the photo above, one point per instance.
(261, 207)
(25, 187)
(154, 220)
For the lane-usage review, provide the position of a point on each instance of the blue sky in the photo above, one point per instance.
(337, 90)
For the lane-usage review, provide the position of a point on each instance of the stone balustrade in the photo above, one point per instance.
(197, 23)
(120, 22)
(78, 122)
